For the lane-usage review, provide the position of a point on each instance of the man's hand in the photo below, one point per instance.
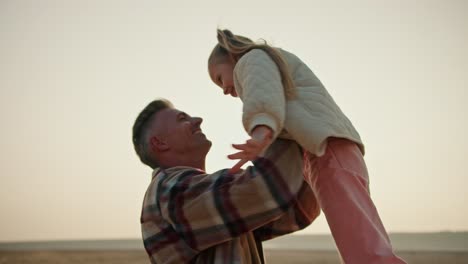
(261, 137)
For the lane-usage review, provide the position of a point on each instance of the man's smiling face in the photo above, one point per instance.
(181, 132)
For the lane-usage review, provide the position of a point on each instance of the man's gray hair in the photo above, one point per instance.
(140, 130)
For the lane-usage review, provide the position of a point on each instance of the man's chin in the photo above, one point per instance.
(208, 145)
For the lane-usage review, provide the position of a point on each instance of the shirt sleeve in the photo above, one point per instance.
(304, 211)
(208, 209)
(258, 83)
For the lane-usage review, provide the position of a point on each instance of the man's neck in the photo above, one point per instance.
(198, 165)
(180, 161)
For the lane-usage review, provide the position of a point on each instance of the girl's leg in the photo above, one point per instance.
(340, 182)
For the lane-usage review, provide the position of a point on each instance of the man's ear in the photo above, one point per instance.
(158, 144)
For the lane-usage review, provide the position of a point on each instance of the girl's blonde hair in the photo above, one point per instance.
(233, 47)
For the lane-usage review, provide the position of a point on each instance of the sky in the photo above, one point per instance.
(75, 74)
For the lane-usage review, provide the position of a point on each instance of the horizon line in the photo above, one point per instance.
(137, 238)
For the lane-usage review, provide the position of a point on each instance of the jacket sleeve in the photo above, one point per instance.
(304, 211)
(208, 209)
(258, 83)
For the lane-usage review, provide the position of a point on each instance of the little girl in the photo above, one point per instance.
(282, 97)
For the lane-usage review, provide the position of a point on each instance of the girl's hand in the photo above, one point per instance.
(261, 137)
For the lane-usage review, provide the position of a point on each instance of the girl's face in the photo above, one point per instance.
(222, 75)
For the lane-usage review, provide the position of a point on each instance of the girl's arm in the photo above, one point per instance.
(258, 84)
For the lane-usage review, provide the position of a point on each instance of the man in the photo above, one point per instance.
(190, 216)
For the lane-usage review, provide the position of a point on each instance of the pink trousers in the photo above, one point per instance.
(340, 183)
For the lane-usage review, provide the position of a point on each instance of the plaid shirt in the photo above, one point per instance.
(190, 216)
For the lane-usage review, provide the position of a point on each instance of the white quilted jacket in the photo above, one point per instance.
(310, 118)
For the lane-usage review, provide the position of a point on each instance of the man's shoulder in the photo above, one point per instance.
(176, 173)
(165, 179)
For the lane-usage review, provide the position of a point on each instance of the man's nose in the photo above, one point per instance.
(197, 120)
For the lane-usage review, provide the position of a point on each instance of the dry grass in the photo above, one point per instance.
(272, 256)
